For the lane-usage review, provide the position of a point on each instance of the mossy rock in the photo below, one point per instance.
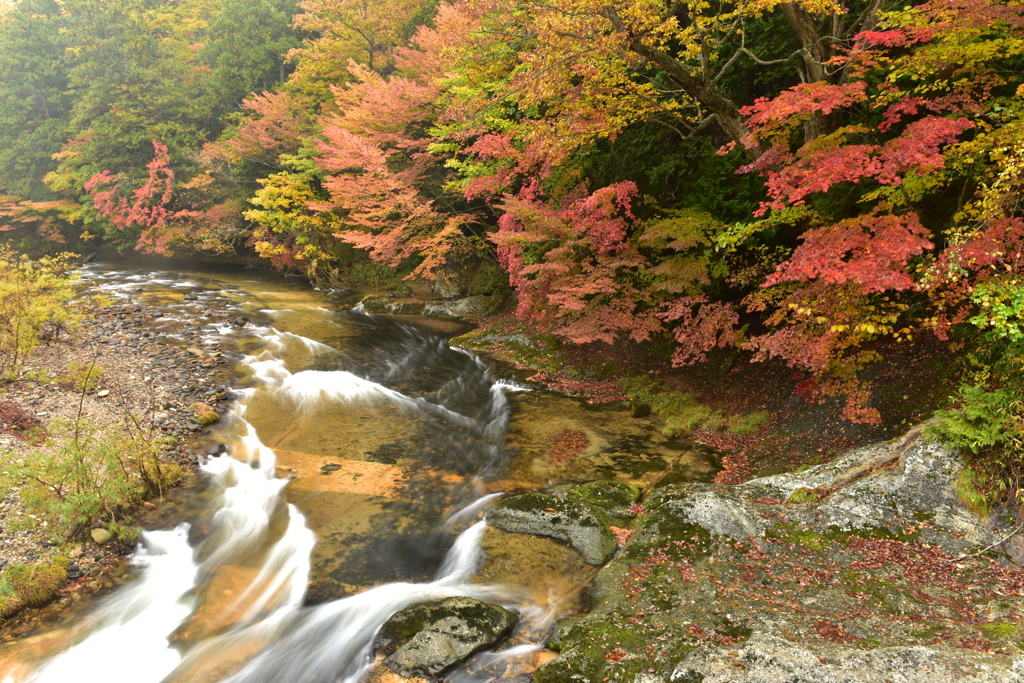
(615, 497)
(584, 527)
(384, 305)
(430, 639)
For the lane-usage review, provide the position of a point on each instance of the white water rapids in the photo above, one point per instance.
(271, 636)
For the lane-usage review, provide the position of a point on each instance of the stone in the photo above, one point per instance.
(430, 639)
(446, 288)
(459, 308)
(384, 305)
(639, 409)
(857, 570)
(101, 536)
(584, 527)
(616, 498)
(766, 658)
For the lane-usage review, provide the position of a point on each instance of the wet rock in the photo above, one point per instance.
(861, 569)
(460, 308)
(432, 638)
(616, 498)
(639, 409)
(101, 536)
(582, 526)
(383, 305)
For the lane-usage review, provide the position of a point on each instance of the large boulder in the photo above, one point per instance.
(862, 569)
(584, 527)
(431, 638)
(769, 659)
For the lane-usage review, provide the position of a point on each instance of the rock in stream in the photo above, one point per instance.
(430, 638)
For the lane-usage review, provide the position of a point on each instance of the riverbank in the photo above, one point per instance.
(128, 360)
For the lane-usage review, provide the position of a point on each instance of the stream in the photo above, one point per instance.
(348, 479)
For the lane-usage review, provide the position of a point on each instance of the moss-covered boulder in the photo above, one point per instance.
(615, 497)
(430, 639)
(871, 574)
(584, 527)
(386, 305)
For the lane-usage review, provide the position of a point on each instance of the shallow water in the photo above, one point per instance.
(361, 453)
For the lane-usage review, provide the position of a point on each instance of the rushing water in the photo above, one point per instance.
(361, 452)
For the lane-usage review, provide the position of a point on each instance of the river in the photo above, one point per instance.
(348, 480)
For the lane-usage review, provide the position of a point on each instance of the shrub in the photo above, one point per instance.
(33, 306)
(81, 376)
(83, 475)
(985, 419)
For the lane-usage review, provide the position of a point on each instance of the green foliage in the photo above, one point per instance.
(984, 417)
(986, 420)
(34, 298)
(84, 474)
(34, 102)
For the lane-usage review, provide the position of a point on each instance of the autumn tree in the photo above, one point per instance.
(929, 181)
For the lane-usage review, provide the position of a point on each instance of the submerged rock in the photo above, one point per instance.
(862, 569)
(431, 638)
(582, 526)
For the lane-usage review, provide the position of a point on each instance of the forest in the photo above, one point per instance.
(822, 183)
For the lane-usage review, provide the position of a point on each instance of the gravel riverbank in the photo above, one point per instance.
(160, 370)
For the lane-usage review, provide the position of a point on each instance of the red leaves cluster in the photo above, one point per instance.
(566, 262)
(16, 420)
(566, 446)
(871, 251)
(147, 206)
(835, 632)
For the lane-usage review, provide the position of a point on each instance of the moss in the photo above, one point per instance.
(594, 651)
(205, 414)
(791, 532)
(27, 585)
(998, 629)
(748, 424)
(616, 497)
(803, 495)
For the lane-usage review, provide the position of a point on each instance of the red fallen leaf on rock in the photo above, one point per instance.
(621, 535)
(615, 655)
